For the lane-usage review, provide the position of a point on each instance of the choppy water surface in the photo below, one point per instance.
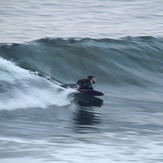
(42, 122)
(28, 20)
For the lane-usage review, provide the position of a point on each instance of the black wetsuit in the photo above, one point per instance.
(84, 84)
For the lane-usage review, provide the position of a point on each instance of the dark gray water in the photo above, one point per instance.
(42, 122)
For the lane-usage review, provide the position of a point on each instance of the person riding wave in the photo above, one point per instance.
(84, 86)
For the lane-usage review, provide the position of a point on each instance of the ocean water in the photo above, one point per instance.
(46, 43)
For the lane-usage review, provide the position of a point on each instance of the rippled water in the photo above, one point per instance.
(29, 20)
(42, 122)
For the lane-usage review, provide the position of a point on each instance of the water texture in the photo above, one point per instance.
(46, 43)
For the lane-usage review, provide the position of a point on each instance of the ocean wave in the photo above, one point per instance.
(130, 60)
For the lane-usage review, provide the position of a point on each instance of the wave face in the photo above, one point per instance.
(125, 63)
(134, 61)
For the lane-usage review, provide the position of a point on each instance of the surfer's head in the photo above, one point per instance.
(92, 79)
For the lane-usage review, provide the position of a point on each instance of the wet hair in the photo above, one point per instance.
(90, 77)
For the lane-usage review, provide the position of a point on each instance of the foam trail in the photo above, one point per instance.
(21, 89)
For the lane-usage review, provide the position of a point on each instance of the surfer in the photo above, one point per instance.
(86, 84)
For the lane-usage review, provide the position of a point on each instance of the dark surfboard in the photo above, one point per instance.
(83, 91)
(91, 92)
(86, 100)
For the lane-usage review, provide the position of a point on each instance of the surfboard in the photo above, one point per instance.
(91, 92)
(86, 100)
(83, 91)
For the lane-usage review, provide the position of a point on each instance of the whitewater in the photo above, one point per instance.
(46, 44)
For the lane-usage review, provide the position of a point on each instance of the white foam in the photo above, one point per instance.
(28, 90)
(35, 98)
